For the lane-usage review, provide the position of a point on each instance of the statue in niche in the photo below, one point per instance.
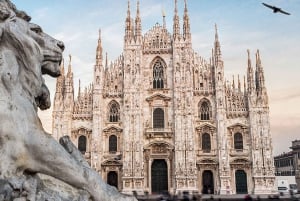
(26, 53)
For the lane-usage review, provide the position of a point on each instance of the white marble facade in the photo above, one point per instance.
(161, 117)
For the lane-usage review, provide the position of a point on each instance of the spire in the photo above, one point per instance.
(79, 90)
(176, 26)
(128, 24)
(69, 73)
(186, 23)
(260, 78)
(164, 18)
(61, 79)
(106, 63)
(233, 84)
(138, 24)
(244, 84)
(260, 82)
(69, 84)
(217, 44)
(99, 51)
(218, 62)
(250, 79)
(239, 83)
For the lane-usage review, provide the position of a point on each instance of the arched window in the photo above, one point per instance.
(113, 143)
(206, 145)
(114, 112)
(158, 75)
(82, 144)
(238, 141)
(158, 118)
(204, 110)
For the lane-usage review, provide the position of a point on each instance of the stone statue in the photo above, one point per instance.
(26, 53)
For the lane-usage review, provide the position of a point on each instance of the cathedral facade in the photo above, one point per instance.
(163, 118)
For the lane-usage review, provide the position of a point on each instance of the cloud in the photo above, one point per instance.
(285, 95)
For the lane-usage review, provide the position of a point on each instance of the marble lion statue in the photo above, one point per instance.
(26, 53)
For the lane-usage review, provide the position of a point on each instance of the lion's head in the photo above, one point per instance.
(26, 52)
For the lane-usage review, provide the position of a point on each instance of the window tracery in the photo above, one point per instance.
(204, 110)
(114, 112)
(158, 75)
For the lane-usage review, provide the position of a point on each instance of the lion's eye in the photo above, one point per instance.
(36, 30)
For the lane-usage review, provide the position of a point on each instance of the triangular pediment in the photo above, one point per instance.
(82, 128)
(238, 125)
(240, 161)
(111, 163)
(207, 161)
(158, 97)
(112, 128)
(159, 143)
(206, 126)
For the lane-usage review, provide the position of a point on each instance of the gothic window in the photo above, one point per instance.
(204, 110)
(206, 144)
(158, 75)
(114, 112)
(113, 143)
(82, 144)
(158, 118)
(238, 141)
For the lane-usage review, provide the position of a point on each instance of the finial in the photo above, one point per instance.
(239, 83)
(176, 7)
(99, 33)
(106, 60)
(63, 62)
(248, 52)
(185, 5)
(69, 67)
(138, 7)
(216, 31)
(79, 89)
(164, 17)
(244, 83)
(128, 9)
(258, 62)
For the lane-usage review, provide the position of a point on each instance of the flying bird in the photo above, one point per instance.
(276, 9)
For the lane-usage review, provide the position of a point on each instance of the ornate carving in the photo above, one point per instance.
(27, 53)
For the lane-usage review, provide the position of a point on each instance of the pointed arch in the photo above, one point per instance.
(113, 112)
(204, 109)
(159, 73)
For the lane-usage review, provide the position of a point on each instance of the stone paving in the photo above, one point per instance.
(239, 197)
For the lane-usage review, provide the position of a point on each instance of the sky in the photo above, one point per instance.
(242, 25)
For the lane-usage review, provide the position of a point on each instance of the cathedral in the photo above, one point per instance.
(162, 118)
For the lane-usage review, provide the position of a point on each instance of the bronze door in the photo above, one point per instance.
(241, 182)
(159, 175)
(207, 182)
(112, 179)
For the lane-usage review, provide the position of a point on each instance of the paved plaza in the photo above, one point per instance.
(237, 197)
